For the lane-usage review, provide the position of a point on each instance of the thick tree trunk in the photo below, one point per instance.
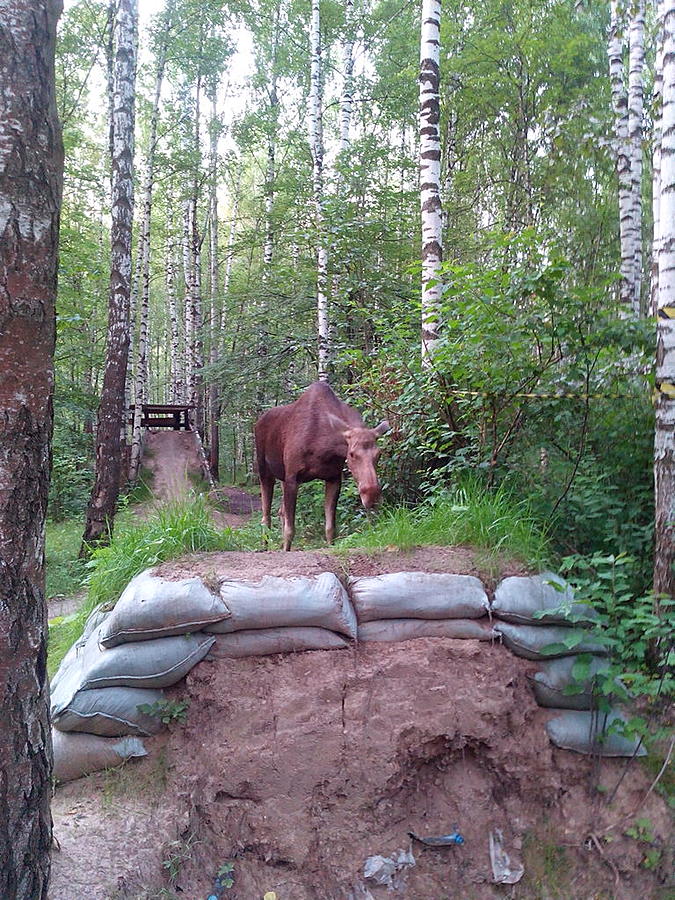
(664, 442)
(430, 177)
(140, 392)
(316, 143)
(103, 502)
(31, 167)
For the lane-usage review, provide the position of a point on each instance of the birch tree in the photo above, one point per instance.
(103, 502)
(214, 277)
(635, 131)
(430, 177)
(664, 442)
(657, 101)
(31, 168)
(316, 144)
(140, 393)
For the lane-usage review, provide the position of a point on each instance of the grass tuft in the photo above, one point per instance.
(492, 520)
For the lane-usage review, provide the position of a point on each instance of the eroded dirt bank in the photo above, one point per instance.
(297, 768)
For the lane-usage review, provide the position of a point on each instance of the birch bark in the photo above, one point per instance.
(430, 177)
(103, 502)
(316, 144)
(657, 102)
(617, 78)
(214, 277)
(31, 167)
(664, 440)
(635, 129)
(140, 393)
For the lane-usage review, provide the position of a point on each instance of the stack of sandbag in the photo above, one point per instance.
(280, 615)
(400, 606)
(534, 616)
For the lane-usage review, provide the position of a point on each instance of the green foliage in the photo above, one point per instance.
(167, 711)
(494, 520)
(65, 572)
(178, 853)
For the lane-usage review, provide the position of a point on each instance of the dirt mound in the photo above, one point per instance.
(172, 458)
(297, 768)
(245, 565)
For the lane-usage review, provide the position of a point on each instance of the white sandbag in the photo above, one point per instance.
(408, 629)
(586, 732)
(76, 755)
(529, 641)
(550, 681)
(149, 664)
(320, 602)
(97, 617)
(418, 595)
(111, 711)
(518, 599)
(266, 641)
(152, 607)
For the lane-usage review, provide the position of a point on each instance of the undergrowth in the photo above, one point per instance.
(492, 520)
(171, 531)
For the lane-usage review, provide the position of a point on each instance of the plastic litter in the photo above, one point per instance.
(418, 595)
(504, 870)
(385, 869)
(443, 840)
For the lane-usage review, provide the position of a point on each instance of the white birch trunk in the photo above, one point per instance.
(214, 277)
(229, 257)
(635, 129)
(347, 97)
(316, 144)
(430, 177)
(664, 441)
(657, 102)
(188, 367)
(617, 77)
(144, 266)
(175, 365)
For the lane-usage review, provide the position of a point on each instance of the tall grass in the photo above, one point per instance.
(490, 519)
(171, 531)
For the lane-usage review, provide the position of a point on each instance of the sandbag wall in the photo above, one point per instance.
(107, 694)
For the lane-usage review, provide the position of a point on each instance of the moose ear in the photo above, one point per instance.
(382, 428)
(338, 424)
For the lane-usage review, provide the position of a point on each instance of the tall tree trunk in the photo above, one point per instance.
(140, 392)
(214, 277)
(103, 502)
(229, 255)
(657, 102)
(664, 442)
(430, 177)
(617, 78)
(31, 168)
(316, 142)
(635, 129)
(188, 364)
(175, 365)
(197, 348)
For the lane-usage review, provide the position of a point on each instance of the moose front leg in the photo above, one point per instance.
(290, 496)
(330, 506)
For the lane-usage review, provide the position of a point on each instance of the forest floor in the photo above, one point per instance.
(296, 768)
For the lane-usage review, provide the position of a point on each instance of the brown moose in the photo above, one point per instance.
(311, 439)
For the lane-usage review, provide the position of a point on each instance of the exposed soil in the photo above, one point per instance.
(297, 768)
(171, 456)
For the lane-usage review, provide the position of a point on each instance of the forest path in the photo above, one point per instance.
(174, 461)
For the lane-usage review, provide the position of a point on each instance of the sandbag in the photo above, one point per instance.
(152, 607)
(76, 755)
(150, 664)
(586, 732)
(518, 599)
(408, 629)
(111, 711)
(95, 618)
(272, 602)
(549, 683)
(266, 641)
(529, 641)
(418, 595)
